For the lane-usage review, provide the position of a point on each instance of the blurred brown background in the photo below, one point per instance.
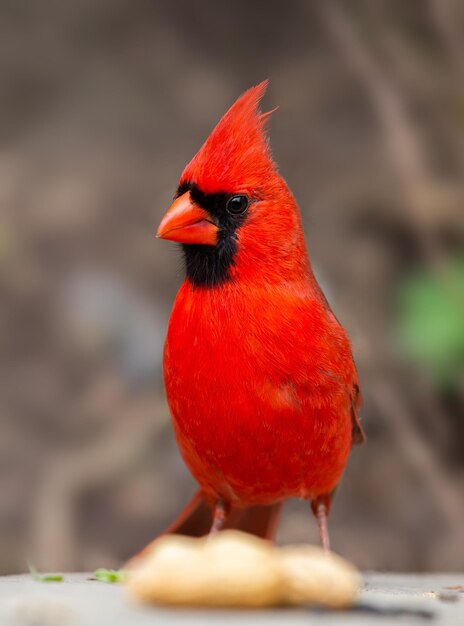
(102, 104)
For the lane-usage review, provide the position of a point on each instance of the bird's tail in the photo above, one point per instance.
(196, 520)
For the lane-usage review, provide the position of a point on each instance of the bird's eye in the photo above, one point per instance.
(237, 205)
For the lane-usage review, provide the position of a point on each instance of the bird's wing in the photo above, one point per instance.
(358, 435)
(351, 380)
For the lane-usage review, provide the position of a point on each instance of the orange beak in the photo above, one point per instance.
(187, 223)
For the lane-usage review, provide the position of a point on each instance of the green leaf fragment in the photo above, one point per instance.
(44, 578)
(109, 575)
(52, 578)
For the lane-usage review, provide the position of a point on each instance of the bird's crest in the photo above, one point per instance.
(236, 156)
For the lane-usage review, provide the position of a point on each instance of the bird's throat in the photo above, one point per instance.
(209, 266)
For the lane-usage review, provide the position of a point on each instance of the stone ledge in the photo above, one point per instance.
(386, 599)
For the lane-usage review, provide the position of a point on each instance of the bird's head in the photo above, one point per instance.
(233, 212)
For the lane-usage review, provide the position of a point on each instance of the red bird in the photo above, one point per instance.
(259, 373)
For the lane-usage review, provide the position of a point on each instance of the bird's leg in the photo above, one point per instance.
(320, 507)
(219, 517)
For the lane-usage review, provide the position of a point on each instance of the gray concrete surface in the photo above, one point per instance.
(385, 599)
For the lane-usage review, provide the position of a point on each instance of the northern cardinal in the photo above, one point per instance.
(259, 373)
